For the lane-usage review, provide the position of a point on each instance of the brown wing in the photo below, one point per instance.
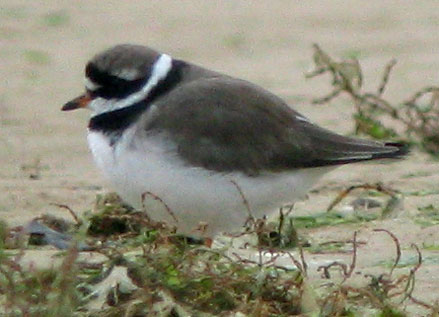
(225, 124)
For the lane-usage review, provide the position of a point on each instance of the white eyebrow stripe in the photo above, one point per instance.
(90, 85)
(127, 74)
(160, 70)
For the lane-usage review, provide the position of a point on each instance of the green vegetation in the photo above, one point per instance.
(374, 115)
(234, 41)
(36, 57)
(56, 19)
(146, 271)
(330, 219)
(428, 215)
(14, 12)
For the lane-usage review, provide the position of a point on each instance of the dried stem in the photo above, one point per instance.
(244, 199)
(155, 197)
(397, 245)
(70, 210)
(347, 272)
(386, 75)
(420, 121)
(378, 187)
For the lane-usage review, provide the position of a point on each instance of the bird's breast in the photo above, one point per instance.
(102, 150)
(151, 164)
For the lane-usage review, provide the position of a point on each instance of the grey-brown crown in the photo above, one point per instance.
(121, 70)
(126, 61)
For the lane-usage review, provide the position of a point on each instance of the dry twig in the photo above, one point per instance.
(155, 197)
(421, 121)
(397, 245)
(347, 271)
(378, 187)
(70, 210)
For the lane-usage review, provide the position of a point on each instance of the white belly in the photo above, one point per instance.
(193, 194)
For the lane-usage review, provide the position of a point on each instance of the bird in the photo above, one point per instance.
(201, 150)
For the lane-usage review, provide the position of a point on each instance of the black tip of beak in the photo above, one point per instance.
(71, 105)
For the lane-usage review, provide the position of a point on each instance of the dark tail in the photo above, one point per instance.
(401, 151)
(334, 149)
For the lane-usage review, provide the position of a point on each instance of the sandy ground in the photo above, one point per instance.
(45, 45)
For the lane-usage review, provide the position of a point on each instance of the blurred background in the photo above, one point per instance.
(44, 46)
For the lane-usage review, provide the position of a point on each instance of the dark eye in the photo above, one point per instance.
(112, 86)
(118, 88)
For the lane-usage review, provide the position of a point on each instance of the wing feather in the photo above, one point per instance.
(226, 124)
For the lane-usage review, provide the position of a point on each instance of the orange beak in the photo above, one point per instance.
(79, 102)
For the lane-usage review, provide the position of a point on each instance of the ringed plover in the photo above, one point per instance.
(200, 140)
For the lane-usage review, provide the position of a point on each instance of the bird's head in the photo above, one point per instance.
(120, 77)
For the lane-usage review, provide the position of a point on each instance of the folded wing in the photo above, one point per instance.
(226, 124)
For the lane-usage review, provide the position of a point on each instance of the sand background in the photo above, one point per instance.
(44, 46)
